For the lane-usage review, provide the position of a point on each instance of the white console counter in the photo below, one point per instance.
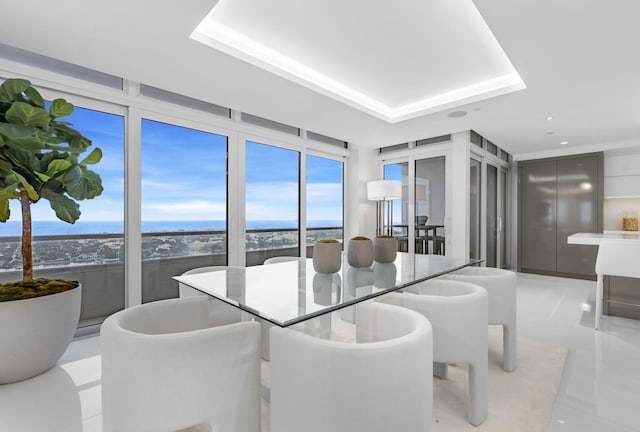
(596, 238)
(619, 296)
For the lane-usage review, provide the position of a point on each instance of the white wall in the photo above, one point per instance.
(362, 167)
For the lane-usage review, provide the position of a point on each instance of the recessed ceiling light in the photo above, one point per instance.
(456, 114)
(564, 142)
(549, 118)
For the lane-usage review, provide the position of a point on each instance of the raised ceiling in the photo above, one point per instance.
(577, 58)
(394, 63)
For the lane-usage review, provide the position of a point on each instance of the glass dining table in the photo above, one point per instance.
(291, 292)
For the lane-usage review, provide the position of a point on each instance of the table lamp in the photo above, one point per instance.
(383, 191)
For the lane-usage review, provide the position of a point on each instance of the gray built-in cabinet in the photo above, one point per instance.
(558, 197)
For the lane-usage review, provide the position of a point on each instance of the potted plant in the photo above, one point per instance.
(39, 160)
(385, 248)
(360, 252)
(327, 256)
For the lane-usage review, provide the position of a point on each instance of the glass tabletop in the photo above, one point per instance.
(290, 292)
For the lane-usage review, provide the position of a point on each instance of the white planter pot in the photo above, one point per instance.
(385, 249)
(360, 253)
(34, 333)
(327, 257)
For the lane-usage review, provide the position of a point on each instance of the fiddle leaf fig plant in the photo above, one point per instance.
(40, 159)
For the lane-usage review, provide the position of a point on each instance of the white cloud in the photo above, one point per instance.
(189, 210)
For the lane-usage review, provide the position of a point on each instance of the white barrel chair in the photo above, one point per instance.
(378, 384)
(220, 312)
(164, 368)
(458, 313)
(277, 259)
(501, 288)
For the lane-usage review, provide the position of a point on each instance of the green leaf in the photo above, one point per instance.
(24, 114)
(20, 158)
(35, 96)
(56, 166)
(33, 195)
(4, 210)
(5, 167)
(10, 192)
(43, 177)
(66, 209)
(11, 90)
(93, 158)
(14, 131)
(70, 135)
(95, 181)
(32, 145)
(60, 108)
(80, 183)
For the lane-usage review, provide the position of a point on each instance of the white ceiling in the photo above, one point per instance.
(393, 63)
(578, 58)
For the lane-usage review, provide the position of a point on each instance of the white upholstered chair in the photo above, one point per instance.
(277, 259)
(164, 369)
(458, 313)
(615, 258)
(501, 288)
(219, 312)
(382, 383)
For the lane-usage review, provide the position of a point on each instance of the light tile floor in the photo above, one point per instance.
(600, 390)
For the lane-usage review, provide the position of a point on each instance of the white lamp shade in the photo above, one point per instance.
(384, 190)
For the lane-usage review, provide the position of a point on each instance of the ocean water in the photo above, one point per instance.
(13, 228)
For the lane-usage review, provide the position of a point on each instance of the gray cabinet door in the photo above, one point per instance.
(577, 211)
(538, 195)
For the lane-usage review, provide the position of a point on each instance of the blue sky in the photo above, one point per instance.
(107, 132)
(184, 176)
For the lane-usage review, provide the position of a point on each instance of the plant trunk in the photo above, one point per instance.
(27, 261)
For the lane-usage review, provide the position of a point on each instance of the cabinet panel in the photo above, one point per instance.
(622, 297)
(538, 216)
(577, 211)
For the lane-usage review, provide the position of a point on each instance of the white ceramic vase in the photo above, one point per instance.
(360, 253)
(35, 332)
(327, 257)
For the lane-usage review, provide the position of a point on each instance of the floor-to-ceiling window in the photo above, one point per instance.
(174, 169)
(272, 202)
(91, 250)
(325, 185)
(430, 200)
(399, 172)
(184, 204)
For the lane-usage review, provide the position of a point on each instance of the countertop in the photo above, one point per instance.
(595, 238)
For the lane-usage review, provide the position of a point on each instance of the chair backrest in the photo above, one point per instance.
(458, 312)
(383, 384)
(501, 286)
(278, 259)
(163, 368)
(220, 313)
(186, 291)
(619, 258)
(421, 220)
